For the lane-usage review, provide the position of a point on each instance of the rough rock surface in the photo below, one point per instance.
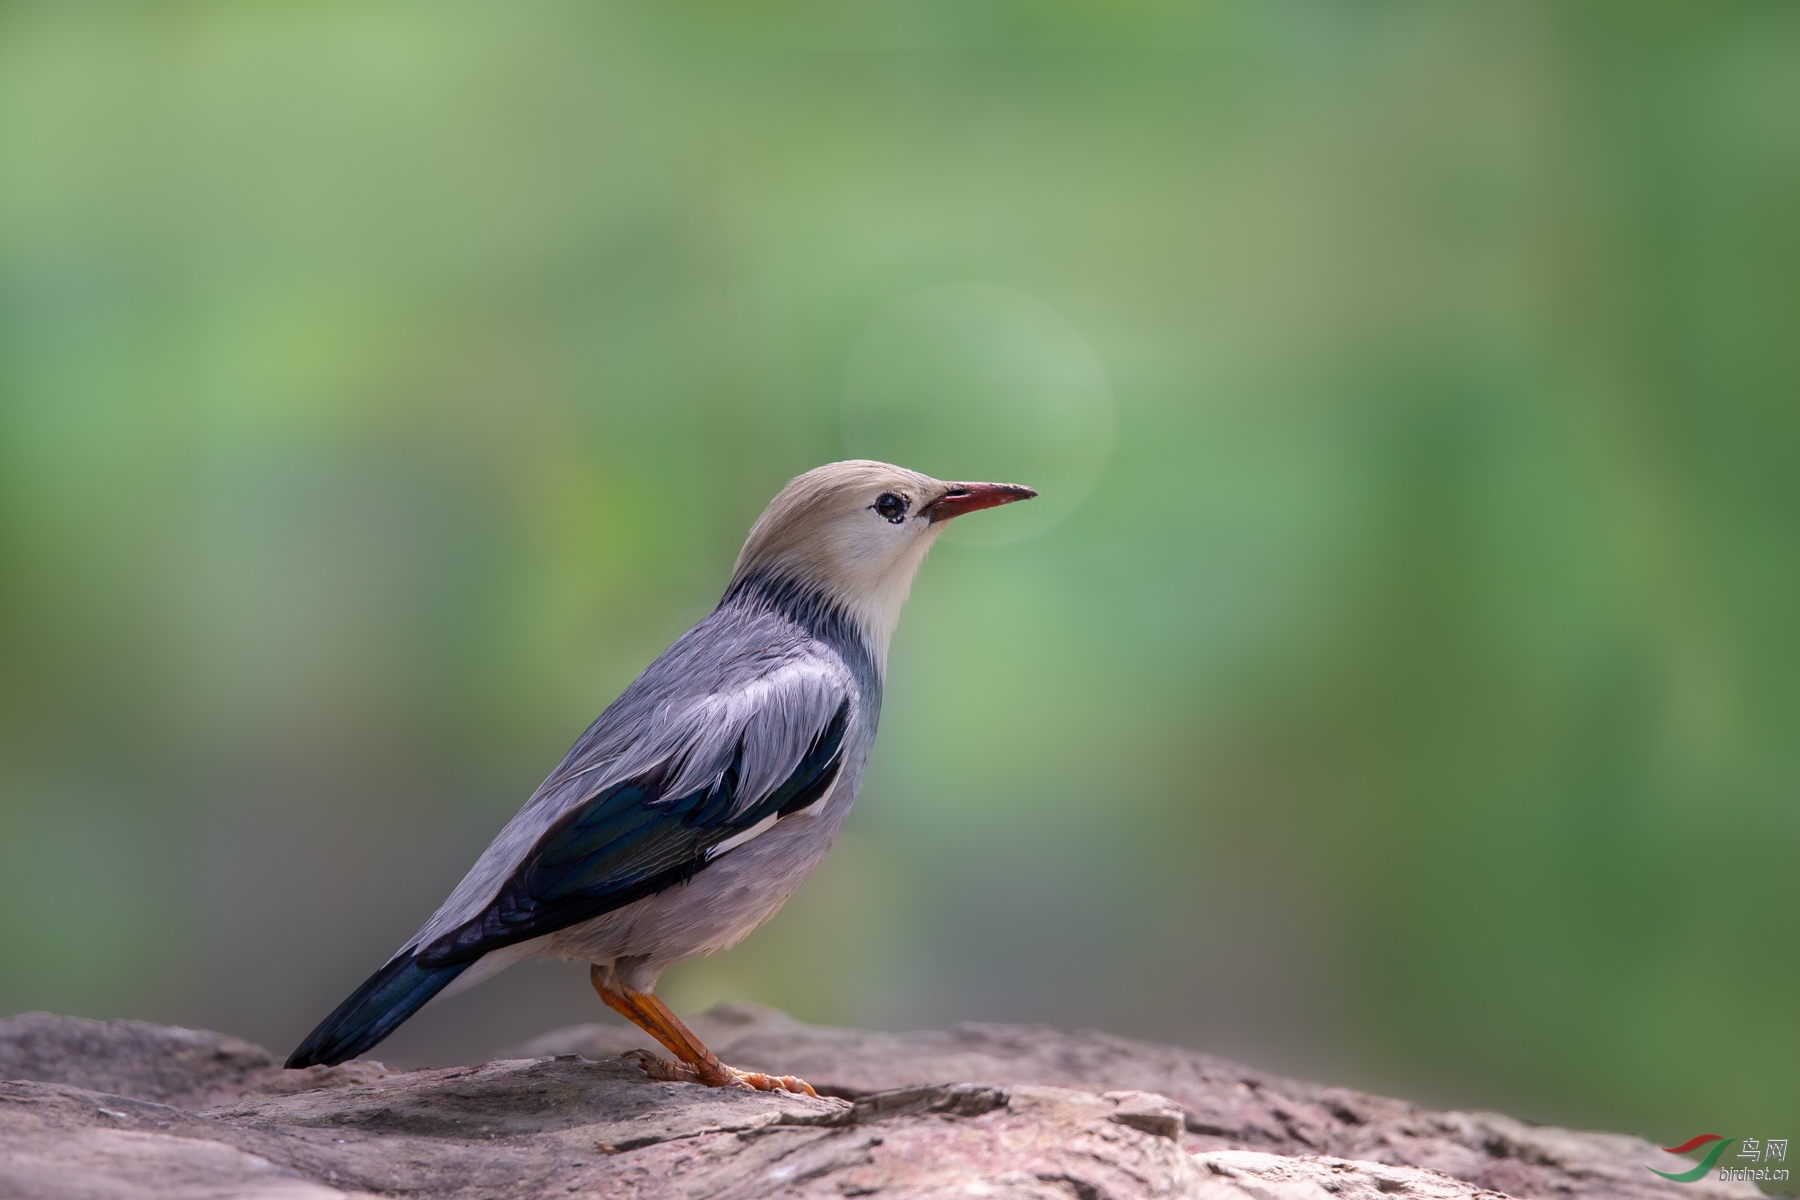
(120, 1110)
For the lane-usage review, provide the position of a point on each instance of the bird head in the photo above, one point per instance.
(857, 531)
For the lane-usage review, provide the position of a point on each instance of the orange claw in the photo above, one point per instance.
(673, 1072)
(698, 1064)
(661, 1068)
(775, 1083)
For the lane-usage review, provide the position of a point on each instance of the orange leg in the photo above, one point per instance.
(698, 1064)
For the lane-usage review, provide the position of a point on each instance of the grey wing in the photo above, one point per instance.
(671, 776)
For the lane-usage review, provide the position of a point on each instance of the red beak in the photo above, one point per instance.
(971, 497)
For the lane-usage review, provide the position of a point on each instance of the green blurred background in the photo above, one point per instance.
(1399, 683)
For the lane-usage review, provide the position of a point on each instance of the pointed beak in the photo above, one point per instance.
(971, 497)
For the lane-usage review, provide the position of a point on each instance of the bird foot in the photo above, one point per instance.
(724, 1076)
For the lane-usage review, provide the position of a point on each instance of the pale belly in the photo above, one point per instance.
(714, 910)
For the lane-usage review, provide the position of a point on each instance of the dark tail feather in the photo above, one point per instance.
(373, 1011)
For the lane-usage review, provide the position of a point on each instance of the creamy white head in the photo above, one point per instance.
(858, 531)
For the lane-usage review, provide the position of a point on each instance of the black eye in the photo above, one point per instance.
(890, 508)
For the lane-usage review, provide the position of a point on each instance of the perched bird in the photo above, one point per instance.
(707, 792)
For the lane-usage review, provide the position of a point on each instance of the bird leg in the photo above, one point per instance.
(698, 1064)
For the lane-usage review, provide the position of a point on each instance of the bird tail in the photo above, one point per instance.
(374, 1010)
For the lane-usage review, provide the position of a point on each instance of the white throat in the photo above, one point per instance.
(869, 589)
(875, 603)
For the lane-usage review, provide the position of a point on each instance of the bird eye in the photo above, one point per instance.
(890, 508)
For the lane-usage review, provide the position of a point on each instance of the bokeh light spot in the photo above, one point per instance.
(971, 381)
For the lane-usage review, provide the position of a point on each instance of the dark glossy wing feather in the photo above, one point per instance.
(388, 997)
(628, 842)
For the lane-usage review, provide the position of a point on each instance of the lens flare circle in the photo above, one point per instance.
(970, 381)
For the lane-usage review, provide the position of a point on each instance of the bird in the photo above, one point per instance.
(704, 795)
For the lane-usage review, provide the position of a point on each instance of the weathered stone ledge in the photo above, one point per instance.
(119, 1110)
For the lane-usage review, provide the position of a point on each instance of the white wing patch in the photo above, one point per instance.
(731, 843)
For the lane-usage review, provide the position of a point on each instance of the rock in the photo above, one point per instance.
(1232, 1174)
(186, 1068)
(1225, 1105)
(1149, 1112)
(121, 1110)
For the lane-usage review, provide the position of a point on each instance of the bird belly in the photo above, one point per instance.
(720, 905)
(490, 965)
